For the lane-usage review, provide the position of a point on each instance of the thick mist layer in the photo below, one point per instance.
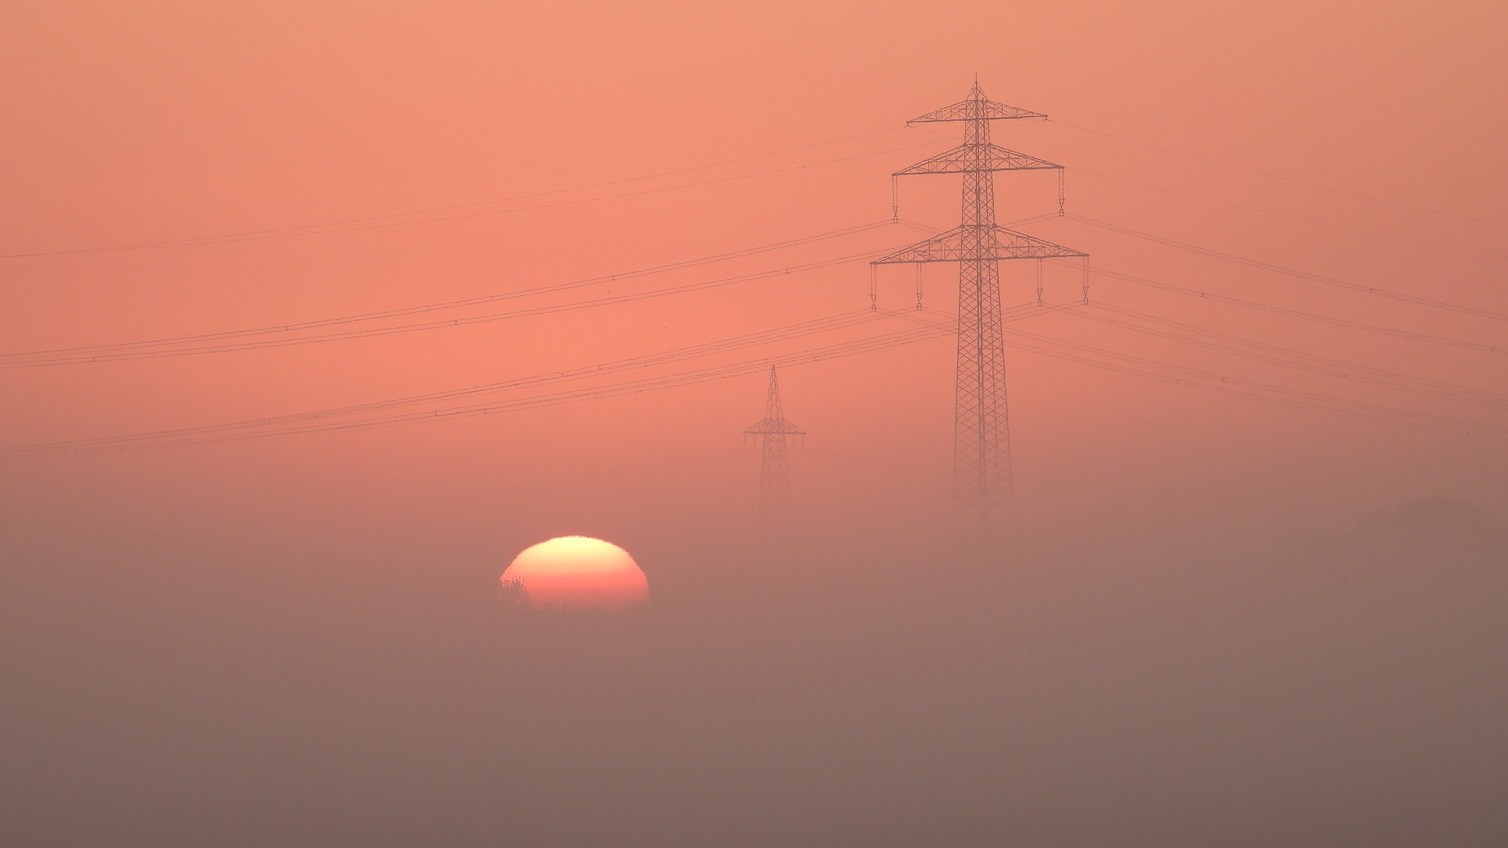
(1340, 687)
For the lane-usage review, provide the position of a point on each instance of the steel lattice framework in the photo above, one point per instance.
(982, 490)
(774, 466)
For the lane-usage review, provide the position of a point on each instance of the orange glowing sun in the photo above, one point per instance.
(577, 572)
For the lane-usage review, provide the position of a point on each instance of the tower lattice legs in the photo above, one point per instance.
(982, 492)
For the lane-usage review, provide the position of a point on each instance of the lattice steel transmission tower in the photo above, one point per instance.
(982, 491)
(774, 464)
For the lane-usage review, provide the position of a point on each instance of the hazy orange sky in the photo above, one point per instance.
(187, 168)
(156, 122)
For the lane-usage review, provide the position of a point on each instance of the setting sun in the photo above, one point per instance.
(577, 572)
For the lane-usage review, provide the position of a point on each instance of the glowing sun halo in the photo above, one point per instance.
(578, 572)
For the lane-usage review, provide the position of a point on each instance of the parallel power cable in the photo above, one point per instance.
(1249, 389)
(469, 320)
(1286, 357)
(629, 387)
(215, 434)
(1237, 392)
(1295, 313)
(24, 358)
(777, 334)
(1220, 384)
(1401, 415)
(1301, 219)
(383, 221)
(130, 350)
(1280, 177)
(1291, 272)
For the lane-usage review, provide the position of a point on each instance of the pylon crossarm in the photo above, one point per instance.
(960, 243)
(1009, 244)
(975, 107)
(968, 158)
(774, 428)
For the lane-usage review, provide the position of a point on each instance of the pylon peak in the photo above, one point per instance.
(774, 482)
(773, 421)
(974, 107)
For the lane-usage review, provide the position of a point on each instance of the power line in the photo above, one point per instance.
(1237, 392)
(389, 412)
(1465, 427)
(818, 354)
(221, 433)
(137, 350)
(1299, 218)
(1295, 313)
(1289, 358)
(92, 351)
(1281, 177)
(1291, 272)
(382, 222)
(1252, 390)
(792, 331)
(446, 323)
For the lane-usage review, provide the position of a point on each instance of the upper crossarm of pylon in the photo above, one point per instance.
(965, 110)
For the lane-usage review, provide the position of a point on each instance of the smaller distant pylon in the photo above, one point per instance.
(774, 465)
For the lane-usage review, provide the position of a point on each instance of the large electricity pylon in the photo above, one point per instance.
(774, 465)
(982, 491)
